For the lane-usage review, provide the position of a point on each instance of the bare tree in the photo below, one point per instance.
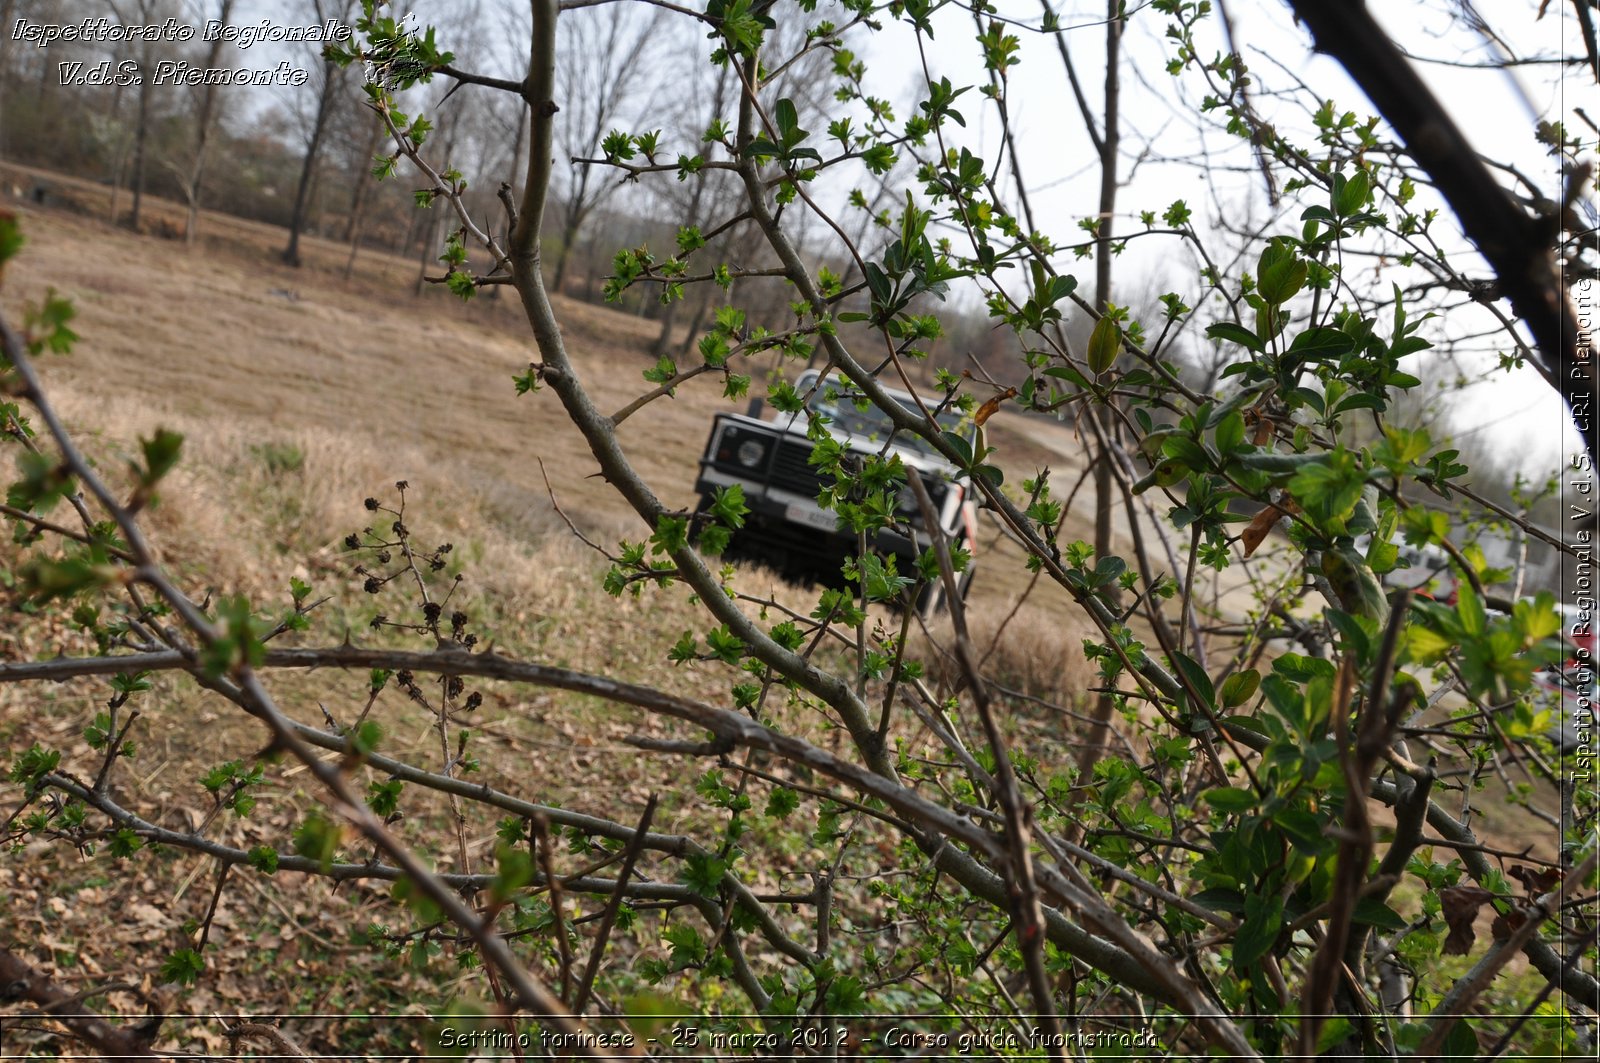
(599, 70)
(330, 85)
(8, 14)
(204, 120)
(141, 13)
(359, 197)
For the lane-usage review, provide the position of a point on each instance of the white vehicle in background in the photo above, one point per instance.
(788, 529)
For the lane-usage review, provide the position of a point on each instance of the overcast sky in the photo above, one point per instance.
(1497, 109)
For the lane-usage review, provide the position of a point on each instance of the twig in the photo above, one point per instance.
(580, 999)
(282, 1044)
(541, 834)
(1026, 913)
(19, 981)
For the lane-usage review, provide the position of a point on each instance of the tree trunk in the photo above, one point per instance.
(411, 233)
(7, 11)
(697, 321)
(202, 136)
(569, 235)
(141, 132)
(308, 168)
(429, 235)
(430, 232)
(1104, 482)
(358, 198)
(525, 116)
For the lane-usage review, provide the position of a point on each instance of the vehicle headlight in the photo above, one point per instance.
(750, 453)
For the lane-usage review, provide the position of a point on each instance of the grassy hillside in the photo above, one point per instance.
(300, 394)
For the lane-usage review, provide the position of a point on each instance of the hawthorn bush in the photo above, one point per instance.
(1245, 837)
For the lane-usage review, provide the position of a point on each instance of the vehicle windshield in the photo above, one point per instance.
(848, 410)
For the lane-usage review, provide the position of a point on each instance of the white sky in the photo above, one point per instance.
(1497, 110)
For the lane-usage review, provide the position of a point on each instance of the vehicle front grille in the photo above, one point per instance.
(792, 471)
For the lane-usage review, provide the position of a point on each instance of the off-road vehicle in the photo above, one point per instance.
(787, 528)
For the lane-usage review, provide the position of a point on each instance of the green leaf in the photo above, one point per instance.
(879, 579)
(1303, 829)
(1104, 343)
(1352, 196)
(1462, 1042)
(1281, 272)
(1321, 343)
(724, 644)
(1425, 645)
(1227, 330)
(1469, 607)
(1333, 1033)
(1353, 583)
(47, 325)
(43, 578)
(787, 117)
(124, 843)
(1196, 676)
(960, 445)
(1220, 899)
(672, 534)
(782, 801)
(1373, 912)
(384, 797)
(993, 475)
(1330, 488)
(1230, 433)
(33, 764)
(365, 736)
(238, 638)
(11, 240)
(1536, 619)
(317, 839)
(664, 370)
(1240, 687)
(703, 873)
(513, 871)
(1263, 921)
(1231, 799)
(729, 507)
(183, 967)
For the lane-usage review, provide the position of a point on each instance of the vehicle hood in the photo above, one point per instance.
(792, 425)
